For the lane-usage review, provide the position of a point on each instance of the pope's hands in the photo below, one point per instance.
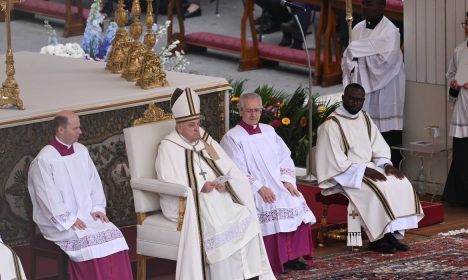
(210, 185)
(267, 195)
(390, 170)
(79, 224)
(374, 174)
(291, 189)
(101, 216)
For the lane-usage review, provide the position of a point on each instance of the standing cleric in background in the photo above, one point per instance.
(456, 187)
(69, 206)
(374, 60)
(283, 213)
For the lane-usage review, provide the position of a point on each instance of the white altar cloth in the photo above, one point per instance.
(49, 84)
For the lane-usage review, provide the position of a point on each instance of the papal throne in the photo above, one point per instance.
(156, 236)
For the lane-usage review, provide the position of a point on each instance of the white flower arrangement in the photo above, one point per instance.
(73, 50)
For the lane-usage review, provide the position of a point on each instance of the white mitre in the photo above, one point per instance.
(185, 105)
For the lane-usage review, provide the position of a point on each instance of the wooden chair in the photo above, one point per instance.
(44, 248)
(326, 230)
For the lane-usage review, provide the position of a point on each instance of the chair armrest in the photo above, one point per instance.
(158, 186)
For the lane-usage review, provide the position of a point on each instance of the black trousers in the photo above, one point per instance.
(394, 138)
(456, 187)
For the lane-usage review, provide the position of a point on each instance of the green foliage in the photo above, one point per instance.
(287, 113)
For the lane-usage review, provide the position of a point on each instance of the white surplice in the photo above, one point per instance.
(346, 145)
(232, 243)
(459, 124)
(374, 60)
(266, 160)
(64, 188)
(10, 264)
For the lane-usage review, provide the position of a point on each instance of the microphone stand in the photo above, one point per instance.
(309, 177)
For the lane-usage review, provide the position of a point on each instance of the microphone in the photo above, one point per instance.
(292, 6)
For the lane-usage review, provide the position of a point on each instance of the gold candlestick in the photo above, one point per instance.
(349, 18)
(132, 65)
(151, 73)
(121, 42)
(9, 93)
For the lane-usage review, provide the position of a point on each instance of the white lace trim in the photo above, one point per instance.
(234, 232)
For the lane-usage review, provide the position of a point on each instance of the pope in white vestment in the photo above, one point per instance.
(353, 159)
(283, 213)
(69, 206)
(456, 187)
(10, 264)
(220, 215)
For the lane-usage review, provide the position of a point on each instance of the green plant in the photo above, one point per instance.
(287, 113)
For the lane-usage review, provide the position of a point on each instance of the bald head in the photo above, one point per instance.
(67, 127)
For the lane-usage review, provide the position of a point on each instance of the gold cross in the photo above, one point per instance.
(354, 214)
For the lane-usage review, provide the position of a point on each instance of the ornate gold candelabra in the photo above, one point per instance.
(9, 93)
(349, 18)
(151, 73)
(134, 59)
(121, 42)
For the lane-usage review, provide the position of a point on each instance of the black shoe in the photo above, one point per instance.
(268, 27)
(382, 246)
(296, 265)
(290, 27)
(297, 44)
(286, 41)
(395, 243)
(195, 13)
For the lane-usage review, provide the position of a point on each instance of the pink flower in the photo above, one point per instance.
(276, 123)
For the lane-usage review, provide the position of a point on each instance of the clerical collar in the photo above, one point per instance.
(62, 148)
(372, 24)
(251, 129)
(343, 112)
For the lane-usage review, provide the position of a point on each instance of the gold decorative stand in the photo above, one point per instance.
(132, 65)
(121, 42)
(9, 93)
(151, 74)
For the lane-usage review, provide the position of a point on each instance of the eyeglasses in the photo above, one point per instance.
(250, 111)
(464, 24)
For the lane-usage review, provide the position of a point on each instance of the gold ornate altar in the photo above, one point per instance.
(106, 104)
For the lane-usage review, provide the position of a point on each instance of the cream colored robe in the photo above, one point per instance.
(10, 264)
(232, 246)
(346, 145)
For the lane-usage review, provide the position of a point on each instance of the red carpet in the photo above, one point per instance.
(432, 258)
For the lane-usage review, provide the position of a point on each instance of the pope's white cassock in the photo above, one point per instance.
(226, 222)
(64, 188)
(374, 60)
(10, 264)
(346, 145)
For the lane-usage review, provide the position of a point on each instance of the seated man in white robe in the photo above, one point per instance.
(282, 211)
(10, 264)
(353, 158)
(220, 234)
(69, 206)
(374, 60)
